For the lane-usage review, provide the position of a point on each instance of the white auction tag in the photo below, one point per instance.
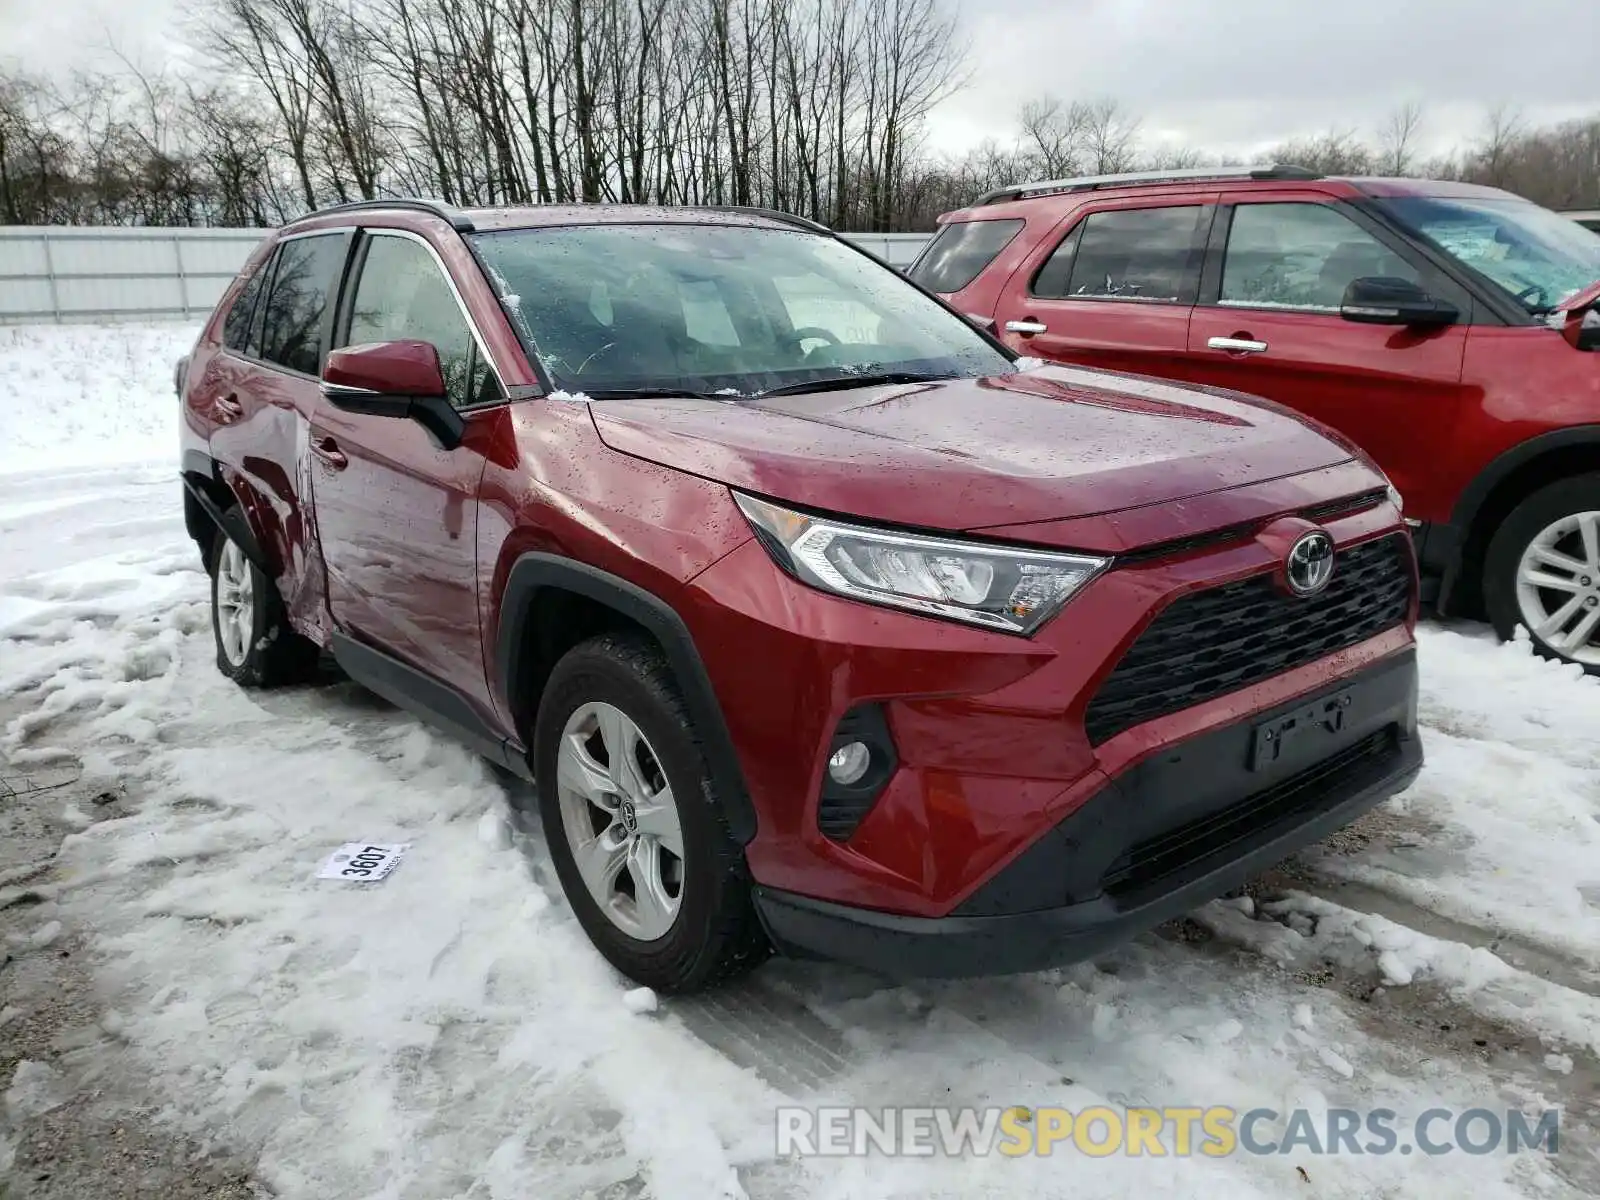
(357, 862)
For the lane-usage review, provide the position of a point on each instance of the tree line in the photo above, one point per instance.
(272, 108)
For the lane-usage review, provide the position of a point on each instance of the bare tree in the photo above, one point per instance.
(1397, 140)
(818, 107)
(1491, 157)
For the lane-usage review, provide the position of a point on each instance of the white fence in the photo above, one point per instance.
(70, 274)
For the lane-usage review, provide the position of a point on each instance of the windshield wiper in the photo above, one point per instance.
(659, 393)
(841, 382)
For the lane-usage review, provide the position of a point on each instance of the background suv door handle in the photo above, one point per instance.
(328, 451)
(1026, 325)
(228, 407)
(1242, 344)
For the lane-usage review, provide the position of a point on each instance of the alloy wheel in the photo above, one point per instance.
(621, 820)
(1558, 587)
(236, 605)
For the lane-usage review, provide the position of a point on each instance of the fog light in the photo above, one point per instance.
(849, 763)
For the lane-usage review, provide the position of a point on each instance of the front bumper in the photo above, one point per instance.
(1168, 834)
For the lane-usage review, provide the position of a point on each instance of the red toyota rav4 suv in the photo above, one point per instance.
(820, 624)
(1442, 327)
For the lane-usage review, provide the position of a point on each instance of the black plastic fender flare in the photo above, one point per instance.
(534, 572)
(1475, 493)
(1473, 497)
(233, 522)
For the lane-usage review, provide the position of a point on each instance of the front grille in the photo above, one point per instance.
(1209, 643)
(1316, 789)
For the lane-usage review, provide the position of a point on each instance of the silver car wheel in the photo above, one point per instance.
(621, 820)
(1558, 587)
(236, 603)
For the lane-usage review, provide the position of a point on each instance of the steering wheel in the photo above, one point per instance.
(1532, 290)
(809, 333)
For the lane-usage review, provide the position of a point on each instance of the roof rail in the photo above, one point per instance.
(1087, 183)
(459, 221)
(772, 214)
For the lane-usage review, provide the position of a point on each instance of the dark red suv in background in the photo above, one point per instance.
(1449, 330)
(820, 626)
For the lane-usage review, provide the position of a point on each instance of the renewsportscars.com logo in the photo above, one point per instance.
(1178, 1131)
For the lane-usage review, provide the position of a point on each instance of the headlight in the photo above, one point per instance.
(1396, 499)
(993, 586)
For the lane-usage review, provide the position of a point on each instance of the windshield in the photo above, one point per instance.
(1536, 255)
(719, 309)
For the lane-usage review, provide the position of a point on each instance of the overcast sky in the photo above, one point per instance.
(1227, 75)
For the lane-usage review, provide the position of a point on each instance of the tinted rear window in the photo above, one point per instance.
(960, 251)
(308, 270)
(1127, 254)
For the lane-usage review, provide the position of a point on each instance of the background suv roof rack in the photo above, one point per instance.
(1143, 178)
(438, 208)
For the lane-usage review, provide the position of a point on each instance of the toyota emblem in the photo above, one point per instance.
(1309, 564)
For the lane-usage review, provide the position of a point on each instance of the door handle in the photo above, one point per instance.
(1027, 325)
(328, 451)
(228, 407)
(1237, 345)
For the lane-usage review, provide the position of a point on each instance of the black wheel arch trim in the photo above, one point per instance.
(231, 522)
(1452, 540)
(1479, 490)
(535, 571)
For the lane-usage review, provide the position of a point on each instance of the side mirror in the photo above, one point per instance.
(394, 379)
(1379, 300)
(1582, 328)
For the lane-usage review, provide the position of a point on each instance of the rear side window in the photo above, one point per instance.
(960, 251)
(236, 326)
(1127, 254)
(292, 328)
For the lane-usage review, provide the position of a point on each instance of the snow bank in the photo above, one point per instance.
(1512, 793)
(85, 396)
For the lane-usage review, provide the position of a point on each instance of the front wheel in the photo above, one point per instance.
(633, 823)
(1542, 572)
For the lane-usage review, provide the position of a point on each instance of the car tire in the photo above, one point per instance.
(670, 904)
(1552, 537)
(256, 646)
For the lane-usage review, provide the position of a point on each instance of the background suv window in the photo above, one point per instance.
(292, 328)
(961, 250)
(403, 295)
(1300, 256)
(1127, 254)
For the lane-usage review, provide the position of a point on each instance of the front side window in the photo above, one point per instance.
(402, 295)
(295, 310)
(1301, 256)
(960, 251)
(732, 310)
(1534, 255)
(1150, 254)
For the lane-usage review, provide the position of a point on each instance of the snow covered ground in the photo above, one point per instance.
(449, 1033)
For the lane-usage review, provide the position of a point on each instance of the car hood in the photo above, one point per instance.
(1040, 445)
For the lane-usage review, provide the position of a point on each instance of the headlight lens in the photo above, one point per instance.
(994, 586)
(1396, 499)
